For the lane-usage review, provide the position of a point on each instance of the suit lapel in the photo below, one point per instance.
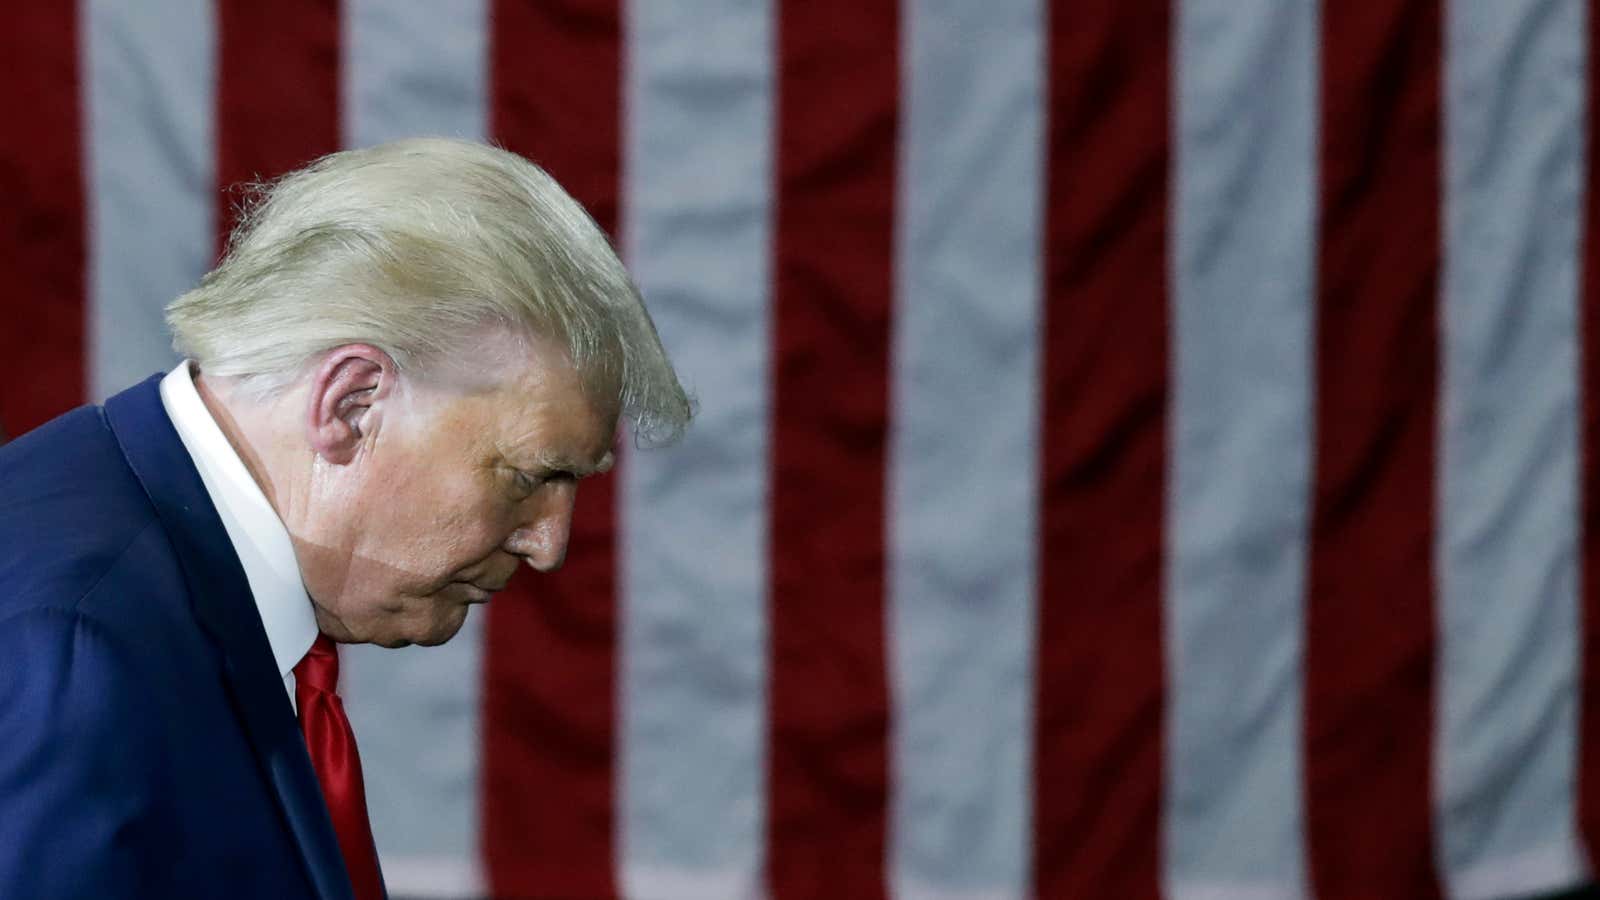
(226, 609)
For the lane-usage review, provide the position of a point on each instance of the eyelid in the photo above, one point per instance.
(531, 480)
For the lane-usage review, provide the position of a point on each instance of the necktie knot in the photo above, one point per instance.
(319, 670)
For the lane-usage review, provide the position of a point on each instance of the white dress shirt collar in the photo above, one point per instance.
(258, 535)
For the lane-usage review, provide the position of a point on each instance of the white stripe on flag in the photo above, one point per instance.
(964, 433)
(419, 68)
(149, 145)
(421, 875)
(414, 67)
(696, 218)
(1243, 291)
(1507, 550)
(645, 882)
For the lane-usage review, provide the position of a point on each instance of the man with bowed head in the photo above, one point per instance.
(395, 379)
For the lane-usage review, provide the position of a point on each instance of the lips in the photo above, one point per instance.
(474, 592)
(480, 586)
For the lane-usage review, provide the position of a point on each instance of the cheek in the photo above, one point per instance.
(450, 531)
(412, 515)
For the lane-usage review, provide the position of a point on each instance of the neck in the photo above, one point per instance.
(269, 457)
(245, 427)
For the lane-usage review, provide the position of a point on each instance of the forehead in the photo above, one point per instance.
(524, 399)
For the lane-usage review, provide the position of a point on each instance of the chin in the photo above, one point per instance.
(441, 626)
(418, 619)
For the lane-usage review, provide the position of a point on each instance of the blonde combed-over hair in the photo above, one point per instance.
(414, 247)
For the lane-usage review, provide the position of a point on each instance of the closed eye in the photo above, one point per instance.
(528, 483)
(525, 483)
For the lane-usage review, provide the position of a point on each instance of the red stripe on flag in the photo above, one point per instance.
(41, 217)
(838, 107)
(1098, 733)
(277, 92)
(1369, 692)
(1589, 498)
(550, 666)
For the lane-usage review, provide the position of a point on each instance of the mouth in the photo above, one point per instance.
(475, 593)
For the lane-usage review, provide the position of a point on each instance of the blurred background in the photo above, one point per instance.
(1145, 448)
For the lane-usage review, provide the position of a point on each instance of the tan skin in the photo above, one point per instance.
(412, 497)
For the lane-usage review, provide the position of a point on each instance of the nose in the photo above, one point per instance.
(542, 540)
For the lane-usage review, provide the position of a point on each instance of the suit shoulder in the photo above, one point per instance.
(70, 509)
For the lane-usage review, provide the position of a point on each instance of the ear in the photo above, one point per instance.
(348, 393)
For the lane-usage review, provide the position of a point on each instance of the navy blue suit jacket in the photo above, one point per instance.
(147, 745)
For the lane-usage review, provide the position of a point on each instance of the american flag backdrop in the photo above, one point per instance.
(1147, 448)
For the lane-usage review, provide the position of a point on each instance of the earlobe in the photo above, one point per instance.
(347, 390)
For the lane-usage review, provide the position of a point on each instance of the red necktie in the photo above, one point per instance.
(333, 753)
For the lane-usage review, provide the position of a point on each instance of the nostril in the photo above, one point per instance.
(542, 545)
(544, 564)
(547, 556)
